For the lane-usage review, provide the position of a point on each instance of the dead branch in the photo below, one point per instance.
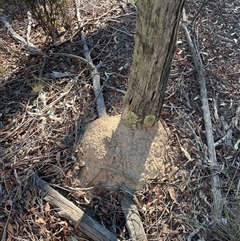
(133, 220)
(72, 213)
(116, 89)
(28, 46)
(29, 15)
(130, 206)
(101, 109)
(212, 159)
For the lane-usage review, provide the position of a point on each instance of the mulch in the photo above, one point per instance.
(40, 127)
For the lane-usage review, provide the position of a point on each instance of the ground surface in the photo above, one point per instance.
(42, 121)
(111, 151)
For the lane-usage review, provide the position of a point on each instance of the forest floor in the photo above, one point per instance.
(42, 121)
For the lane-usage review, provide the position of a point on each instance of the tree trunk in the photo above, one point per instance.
(157, 26)
(115, 153)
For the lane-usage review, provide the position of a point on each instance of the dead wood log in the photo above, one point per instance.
(212, 159)
(133, 221)
(72, 213)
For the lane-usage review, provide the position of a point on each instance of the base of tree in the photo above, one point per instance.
(115, 154)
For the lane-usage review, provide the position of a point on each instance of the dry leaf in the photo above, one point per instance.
(47, 208)
(186, 153)
(40, 221)
(172, 194)
(10, 228)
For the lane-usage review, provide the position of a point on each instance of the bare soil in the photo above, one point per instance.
(115, 154)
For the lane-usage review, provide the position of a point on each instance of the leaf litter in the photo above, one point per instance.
(42, 119)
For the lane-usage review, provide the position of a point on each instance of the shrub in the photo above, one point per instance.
(50, 14)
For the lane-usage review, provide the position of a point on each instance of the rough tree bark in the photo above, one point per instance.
(157, 26)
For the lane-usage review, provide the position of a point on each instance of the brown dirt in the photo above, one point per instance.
(115, 154)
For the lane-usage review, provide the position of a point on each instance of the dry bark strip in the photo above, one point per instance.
(72, 213)
(212, 159)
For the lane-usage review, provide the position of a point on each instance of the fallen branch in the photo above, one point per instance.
(116, 89)
(30, 48)
(101, 109)
(72, 213)
(29, 27)
(27, 45)
(212, 159)
(133, 220)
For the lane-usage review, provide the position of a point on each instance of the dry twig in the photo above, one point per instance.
(189, 238)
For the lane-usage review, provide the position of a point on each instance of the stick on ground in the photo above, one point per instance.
(133, 220)
(72, 213)
(25, 43)
(101, 109)
(212, 159)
